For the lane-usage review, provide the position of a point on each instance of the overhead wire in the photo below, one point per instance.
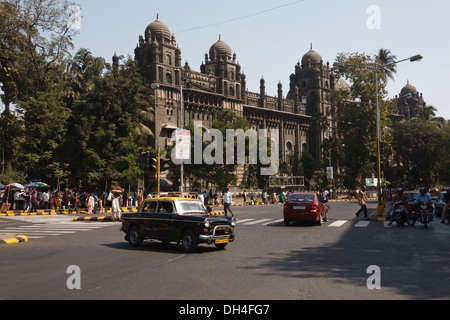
(240, 18)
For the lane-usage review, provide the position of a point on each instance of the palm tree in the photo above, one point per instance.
(385, 57)
(428, 113)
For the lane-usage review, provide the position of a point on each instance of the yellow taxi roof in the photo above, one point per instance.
(170, 198)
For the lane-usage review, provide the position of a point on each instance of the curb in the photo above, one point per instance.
(99, 219)
(12, 213)
(15, 240)
(218, 213)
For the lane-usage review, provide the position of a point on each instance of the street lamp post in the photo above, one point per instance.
(376, 70)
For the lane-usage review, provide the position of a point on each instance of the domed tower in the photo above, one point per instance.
(312, 80)
(158, 55)
(222, 64)
(410, 102)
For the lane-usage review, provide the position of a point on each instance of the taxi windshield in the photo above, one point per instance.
(190, 207)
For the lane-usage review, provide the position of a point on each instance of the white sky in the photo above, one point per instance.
(270, 43)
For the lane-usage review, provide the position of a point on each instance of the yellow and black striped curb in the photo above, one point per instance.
(12, 213)
(99, 219)
(218, 213)
(14, 240)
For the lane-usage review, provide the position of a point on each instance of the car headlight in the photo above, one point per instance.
(207, 223)
(233, 222)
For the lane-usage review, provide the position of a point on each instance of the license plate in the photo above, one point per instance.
(299, 207)
(221, 241)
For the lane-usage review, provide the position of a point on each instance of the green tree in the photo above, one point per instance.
(386, 57)
(355, 110)
(106, 135)
(419, 152)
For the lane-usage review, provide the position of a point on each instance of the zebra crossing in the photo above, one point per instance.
(330, 224)
(39, 227)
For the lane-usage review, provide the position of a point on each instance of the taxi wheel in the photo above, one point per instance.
(135, 237)
(189, 241)
(221, 246)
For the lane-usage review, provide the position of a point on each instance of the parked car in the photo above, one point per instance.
(305, 206)
(176, 219)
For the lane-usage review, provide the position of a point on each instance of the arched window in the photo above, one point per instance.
(169, 59)
(288, 147)
(231, 90)
(168, 78)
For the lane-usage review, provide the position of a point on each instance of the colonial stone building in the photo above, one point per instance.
(220, 83)
(410, 102)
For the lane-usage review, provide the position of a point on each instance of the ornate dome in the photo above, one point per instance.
(220, 47)
(157, 27)
(313, 56)
(408, 89)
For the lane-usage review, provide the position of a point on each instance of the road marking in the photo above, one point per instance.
(261, 221)
(338, 223)
(244, 220)
(273, 222)
(50, 226)
(362, 224)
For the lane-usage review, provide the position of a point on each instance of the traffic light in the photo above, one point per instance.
(148, 163)
(164, 164)
(153, 165)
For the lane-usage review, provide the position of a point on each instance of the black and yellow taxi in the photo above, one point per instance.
(184, 220)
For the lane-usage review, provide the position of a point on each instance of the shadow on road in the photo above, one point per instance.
(413, 261)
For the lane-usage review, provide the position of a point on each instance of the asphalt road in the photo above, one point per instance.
(268, 261)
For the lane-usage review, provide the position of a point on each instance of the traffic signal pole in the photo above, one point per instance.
(158, 174)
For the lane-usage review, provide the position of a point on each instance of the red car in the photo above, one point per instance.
(304, 206)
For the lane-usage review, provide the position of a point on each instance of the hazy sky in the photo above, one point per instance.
(269, 37)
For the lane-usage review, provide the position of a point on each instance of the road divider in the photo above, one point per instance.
(13, 240)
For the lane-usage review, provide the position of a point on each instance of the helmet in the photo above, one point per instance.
(399, 190)
(422, 190)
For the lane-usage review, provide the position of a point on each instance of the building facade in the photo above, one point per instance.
(410, 102)
(220, 83)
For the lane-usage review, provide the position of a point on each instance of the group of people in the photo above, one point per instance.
(28, 199)
(400, 197)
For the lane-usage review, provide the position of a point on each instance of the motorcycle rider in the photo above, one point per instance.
(403, 201)
(446, 200)
(423, 197)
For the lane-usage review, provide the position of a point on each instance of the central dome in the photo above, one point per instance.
(220, 48)
(313, 56)
(157, 27)
(408, 89)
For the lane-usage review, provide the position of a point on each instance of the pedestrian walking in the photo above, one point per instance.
(45, 199)
(362, 200)
(116, 209)
(90, 203)
(227, 201)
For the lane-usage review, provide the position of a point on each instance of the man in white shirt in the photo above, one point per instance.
(200, 196)
(227, 200)
(45, 199)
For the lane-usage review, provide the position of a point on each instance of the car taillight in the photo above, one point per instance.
(314, 209)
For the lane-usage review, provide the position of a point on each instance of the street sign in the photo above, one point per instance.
(330, 176)
(183, 144)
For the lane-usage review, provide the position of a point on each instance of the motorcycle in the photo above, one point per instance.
(400, 216)
(424, 214)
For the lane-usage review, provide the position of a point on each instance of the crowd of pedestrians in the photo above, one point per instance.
(73, 200)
